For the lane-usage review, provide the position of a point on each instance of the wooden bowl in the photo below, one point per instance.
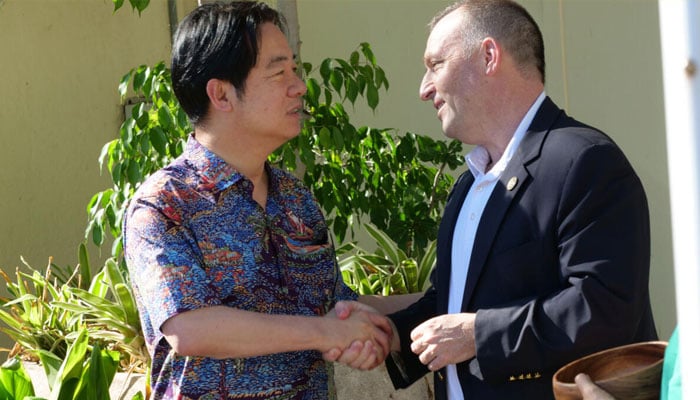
(630, 372)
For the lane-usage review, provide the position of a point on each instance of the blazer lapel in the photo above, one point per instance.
(513, 179)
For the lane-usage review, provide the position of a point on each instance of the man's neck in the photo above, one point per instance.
(245, 157)
(512, 111)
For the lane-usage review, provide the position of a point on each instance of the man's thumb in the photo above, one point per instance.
(342, 309)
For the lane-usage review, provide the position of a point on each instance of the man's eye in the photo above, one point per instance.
(433, 65)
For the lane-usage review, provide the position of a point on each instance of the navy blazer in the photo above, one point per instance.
(559, 267)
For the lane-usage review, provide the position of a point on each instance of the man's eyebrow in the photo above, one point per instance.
(277, 60)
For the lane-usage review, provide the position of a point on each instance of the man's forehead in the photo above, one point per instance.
(441, 40)
(274, 48)
(447, 25)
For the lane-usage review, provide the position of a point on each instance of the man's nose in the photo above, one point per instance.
(427, 89)
(298, 88)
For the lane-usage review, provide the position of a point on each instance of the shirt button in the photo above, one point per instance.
(472, 216)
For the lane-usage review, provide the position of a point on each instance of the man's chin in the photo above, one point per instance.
(448, 132)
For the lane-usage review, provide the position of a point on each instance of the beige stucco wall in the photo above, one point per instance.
(60, 62)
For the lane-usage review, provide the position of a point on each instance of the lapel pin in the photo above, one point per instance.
(511, 183)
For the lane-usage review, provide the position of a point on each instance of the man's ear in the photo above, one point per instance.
(491, 51)
(219, 93)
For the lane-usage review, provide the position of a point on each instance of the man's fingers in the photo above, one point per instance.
(426, 356)
(331, 355)
(436, 364)
(351, 353)
(420, 330)
(430, 357)
(381, 322)
(367, 356)
(589, 390)
(417, 347)
(370, 363)
(383, 340)
(583, 379)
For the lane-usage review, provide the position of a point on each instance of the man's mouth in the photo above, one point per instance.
(300, 111)
(439, 106)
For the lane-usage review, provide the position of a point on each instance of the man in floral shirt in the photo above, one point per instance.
(230, 258)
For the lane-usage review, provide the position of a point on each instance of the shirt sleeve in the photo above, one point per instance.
(164, 264)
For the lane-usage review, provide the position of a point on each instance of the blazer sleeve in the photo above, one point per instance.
(602, 251)
(404, 367)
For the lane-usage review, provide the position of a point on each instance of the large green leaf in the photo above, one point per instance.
(67, 378)
(14, 380)
(98, 375)
(126, 299)
(85, 272)
(385, 243)
(52, 364)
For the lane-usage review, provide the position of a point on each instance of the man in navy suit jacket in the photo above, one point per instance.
(543, 249)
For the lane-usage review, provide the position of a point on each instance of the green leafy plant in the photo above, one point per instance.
(80, 375)
(152, 135)
(108, 311)
(84, 373)
(30, 317)
(47, 310)
(387, 270)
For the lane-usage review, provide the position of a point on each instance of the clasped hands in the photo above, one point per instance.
(439, 341)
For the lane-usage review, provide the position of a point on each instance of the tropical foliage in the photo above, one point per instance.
(386, 271)
(47, 309)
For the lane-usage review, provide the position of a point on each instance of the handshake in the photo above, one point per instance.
(362, 338)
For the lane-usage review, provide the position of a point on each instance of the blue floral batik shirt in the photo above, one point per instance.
(194, 237)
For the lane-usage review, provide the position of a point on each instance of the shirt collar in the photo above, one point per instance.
(478, 158)
(212, 169)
